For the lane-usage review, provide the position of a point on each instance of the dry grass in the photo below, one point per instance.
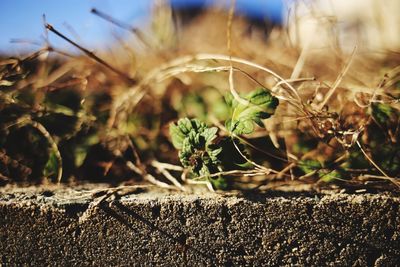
(326, 97)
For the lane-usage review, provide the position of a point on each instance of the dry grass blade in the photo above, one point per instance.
(161, 167)
(91, 55)
(136, 31)
(324, 115)
(338, 80)
(54, 147)
(385, 176)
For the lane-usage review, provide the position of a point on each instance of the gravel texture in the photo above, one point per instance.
(64, 227)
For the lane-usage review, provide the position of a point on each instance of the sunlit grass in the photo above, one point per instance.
(105, 116)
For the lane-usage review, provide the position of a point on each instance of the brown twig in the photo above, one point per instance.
(138, 33)
(91, 55)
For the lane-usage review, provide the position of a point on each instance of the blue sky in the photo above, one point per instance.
(22, 19)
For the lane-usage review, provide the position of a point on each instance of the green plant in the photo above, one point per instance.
(95, 122)
(205, 153)
(196, 148)
(260, 104)
(324, 174)
(383, 135)
(47, 132)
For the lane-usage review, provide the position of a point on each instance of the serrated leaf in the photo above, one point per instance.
(186, 128)
(244, 126)
(177, 136)
(187, 146)
(194, 140)
(261, 105)
(197, 125)
(184, 125)
(210, 134)
(214, 153)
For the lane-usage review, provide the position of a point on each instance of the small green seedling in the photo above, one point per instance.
(205, 153)
(195, 141)
(260, 105)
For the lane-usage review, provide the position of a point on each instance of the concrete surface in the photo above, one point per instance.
(64, 227)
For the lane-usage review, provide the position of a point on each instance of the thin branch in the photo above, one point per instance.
(138, 33)
(172, 179)
(53, 145)
(248, 173)
(386, 177)
(168, 166)
(150, 178)
(338, 80)
(91, 55)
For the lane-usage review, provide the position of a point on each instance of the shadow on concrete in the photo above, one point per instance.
(181, 240)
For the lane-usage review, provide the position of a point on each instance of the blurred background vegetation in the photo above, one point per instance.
(91, 97)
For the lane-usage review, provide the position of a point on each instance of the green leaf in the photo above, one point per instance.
(177, 133)
(210, 134)
(203, 153)
(186, 128)
(195, 141)
(80, 151)
(382, 112)
(330, 176)
(324, 174)
(309, 165)
(193, 105)
(244, 126)
(261, 105)
(204, 171)
(214, 153)
(52, 165)
(220, 183)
